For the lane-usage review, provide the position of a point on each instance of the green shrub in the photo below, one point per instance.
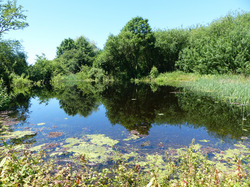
(4, 97)
(20, 81)
(154, 72)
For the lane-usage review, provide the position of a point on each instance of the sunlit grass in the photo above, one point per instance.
(234, 89)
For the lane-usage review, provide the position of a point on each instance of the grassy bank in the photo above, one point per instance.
(234, 89)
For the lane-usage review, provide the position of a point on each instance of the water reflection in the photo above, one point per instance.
(138, 107)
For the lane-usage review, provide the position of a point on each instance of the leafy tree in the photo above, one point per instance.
(169, 44)
(42, 70)
(74, 54)
(11, 16)
(131, 53)
(12, 60)
(66, 45)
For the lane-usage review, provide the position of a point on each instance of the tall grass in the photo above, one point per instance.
(234, 89)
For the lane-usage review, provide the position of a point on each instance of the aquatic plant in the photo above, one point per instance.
(181, 167)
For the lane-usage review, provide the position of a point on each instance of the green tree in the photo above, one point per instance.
(169, 44)
(12, 60)
(131, 53)
(42, 70)
(11, 16)
(73, 54)
(66, 45)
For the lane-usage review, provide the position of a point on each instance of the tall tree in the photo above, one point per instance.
(131, 53)
(66, 45)
(73, 54)
(11, 16)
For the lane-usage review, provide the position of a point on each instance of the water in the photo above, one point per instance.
(142, 118)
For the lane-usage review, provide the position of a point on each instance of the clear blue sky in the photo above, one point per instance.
(51, 21)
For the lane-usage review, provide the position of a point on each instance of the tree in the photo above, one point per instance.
(74, 54)
(66, 45)
(42, 70)
(11, 16)
(12, 60)
(131, 53)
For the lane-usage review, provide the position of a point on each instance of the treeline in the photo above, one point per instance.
(136, 52)
(222, 47)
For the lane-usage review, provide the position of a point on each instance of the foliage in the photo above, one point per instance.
(4, 97)
(42, 70)
(232, 89)
(131, 53)
(176, 78)
(169, 44)
(66, 45)
(11, 16)
(222, 47)
(12, 60)
(20, 81)
(154, 72)
(74, 54)
(188, 167)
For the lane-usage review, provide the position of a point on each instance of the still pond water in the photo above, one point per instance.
(140, 118)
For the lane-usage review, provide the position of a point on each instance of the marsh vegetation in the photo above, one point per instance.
(126, 115)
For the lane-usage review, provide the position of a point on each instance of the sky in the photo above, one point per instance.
(51, 21)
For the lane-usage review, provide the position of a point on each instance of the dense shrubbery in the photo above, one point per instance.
(222, 47)
(219, 48)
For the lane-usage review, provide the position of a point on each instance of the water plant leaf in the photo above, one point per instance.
(39, 124)
(204, 141)
(17, 134)
(96, 147)
(131, 137)
(101, 139)
(37, 148)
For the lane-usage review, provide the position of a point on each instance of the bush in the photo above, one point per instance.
(4, 97)
(154, 72)
(20, 81)
(96, 74)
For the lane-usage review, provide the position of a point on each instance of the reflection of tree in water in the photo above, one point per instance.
(136, 107)
(17, 114)
(75, 101)
(219, 118)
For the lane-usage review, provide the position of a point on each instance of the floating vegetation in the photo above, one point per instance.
(9, 122)
(131, 137)
(101, 139)
(39, 124)
(205, 141)
(17, 134)
(96, 147)
(55, 134)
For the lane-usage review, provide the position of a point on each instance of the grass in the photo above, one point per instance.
(234, 89)
(182, 167)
